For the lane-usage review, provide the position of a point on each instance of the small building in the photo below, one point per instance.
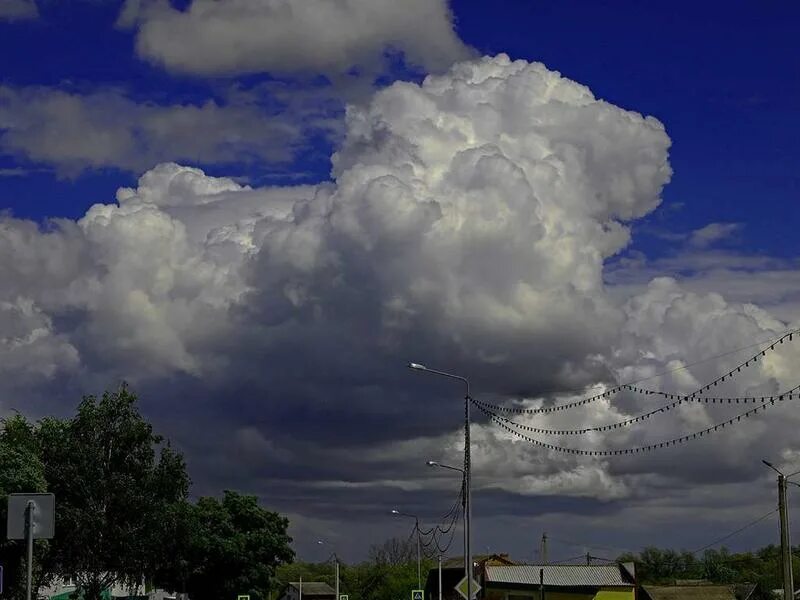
(453, 573)
(63, 588)
(561, 582)
(310, 590)
(698, 591)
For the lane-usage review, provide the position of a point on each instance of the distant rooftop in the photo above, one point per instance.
(490, 559)
(314, 588)
(561, 575)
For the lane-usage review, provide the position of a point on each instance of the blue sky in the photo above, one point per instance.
(248, 293)
(722, 77)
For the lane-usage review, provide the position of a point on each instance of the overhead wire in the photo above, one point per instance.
(769, 345)
(641, 417)
(733, 533)
(790, 395)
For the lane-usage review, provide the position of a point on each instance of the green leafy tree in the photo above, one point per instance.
(117, 488)
(21, 471)
(227, 548)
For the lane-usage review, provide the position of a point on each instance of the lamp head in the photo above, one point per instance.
(417, 366)
(395, 511)
(432, 463)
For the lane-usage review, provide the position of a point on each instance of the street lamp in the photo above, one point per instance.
(335, 568)
(467, 473)
(786, 549)
(416, 527)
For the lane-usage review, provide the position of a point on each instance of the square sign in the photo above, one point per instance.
(43, 515)
(243, 597)
(343, 597)
(417, 594)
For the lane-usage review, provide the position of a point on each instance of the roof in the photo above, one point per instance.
(457, 562)
(560, 575)
(314, 588)
(697, 592)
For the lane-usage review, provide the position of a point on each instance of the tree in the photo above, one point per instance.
(394, 551)
(117, 488)
(228, 548)
(21, 470)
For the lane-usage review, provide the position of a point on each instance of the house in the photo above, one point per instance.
(453, 573)
(697, 591)
(308, 590)
(62, 588)
(561, 582)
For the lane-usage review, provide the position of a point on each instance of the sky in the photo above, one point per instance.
(257, 212)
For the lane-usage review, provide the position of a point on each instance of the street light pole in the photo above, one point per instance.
(786, 548)
(467, 471)
(335, 569)
(416, 528)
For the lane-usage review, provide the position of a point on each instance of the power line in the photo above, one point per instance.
(580, 545)
(626, 386)
(647, 448)
(564, 560)
(733, 533)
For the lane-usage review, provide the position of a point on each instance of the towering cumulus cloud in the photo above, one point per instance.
(466, 224)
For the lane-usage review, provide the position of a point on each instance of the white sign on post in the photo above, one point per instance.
(42, 517)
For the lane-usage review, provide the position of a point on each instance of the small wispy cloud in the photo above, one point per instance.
(14, 172)
(712, 233)
(18, 10)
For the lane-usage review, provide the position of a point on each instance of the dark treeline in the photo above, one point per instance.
(390, 572)
(762, 567)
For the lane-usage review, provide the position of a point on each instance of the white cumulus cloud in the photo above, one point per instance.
(467, 225)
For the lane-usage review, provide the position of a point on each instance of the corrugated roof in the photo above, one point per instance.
(560, 575)
(690, 592)
(314, 588)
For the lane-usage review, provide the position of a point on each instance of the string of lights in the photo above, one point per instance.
(789, 395)
(631, 386)
(639, 418)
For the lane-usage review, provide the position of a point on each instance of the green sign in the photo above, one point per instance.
(342, 596)
(243, 597)
(417, 594)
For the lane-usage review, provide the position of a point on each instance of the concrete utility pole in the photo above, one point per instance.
(786, 547)
(440, 577)
(543, 549)
(541, 584)
(467, 473)
(336, 567)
